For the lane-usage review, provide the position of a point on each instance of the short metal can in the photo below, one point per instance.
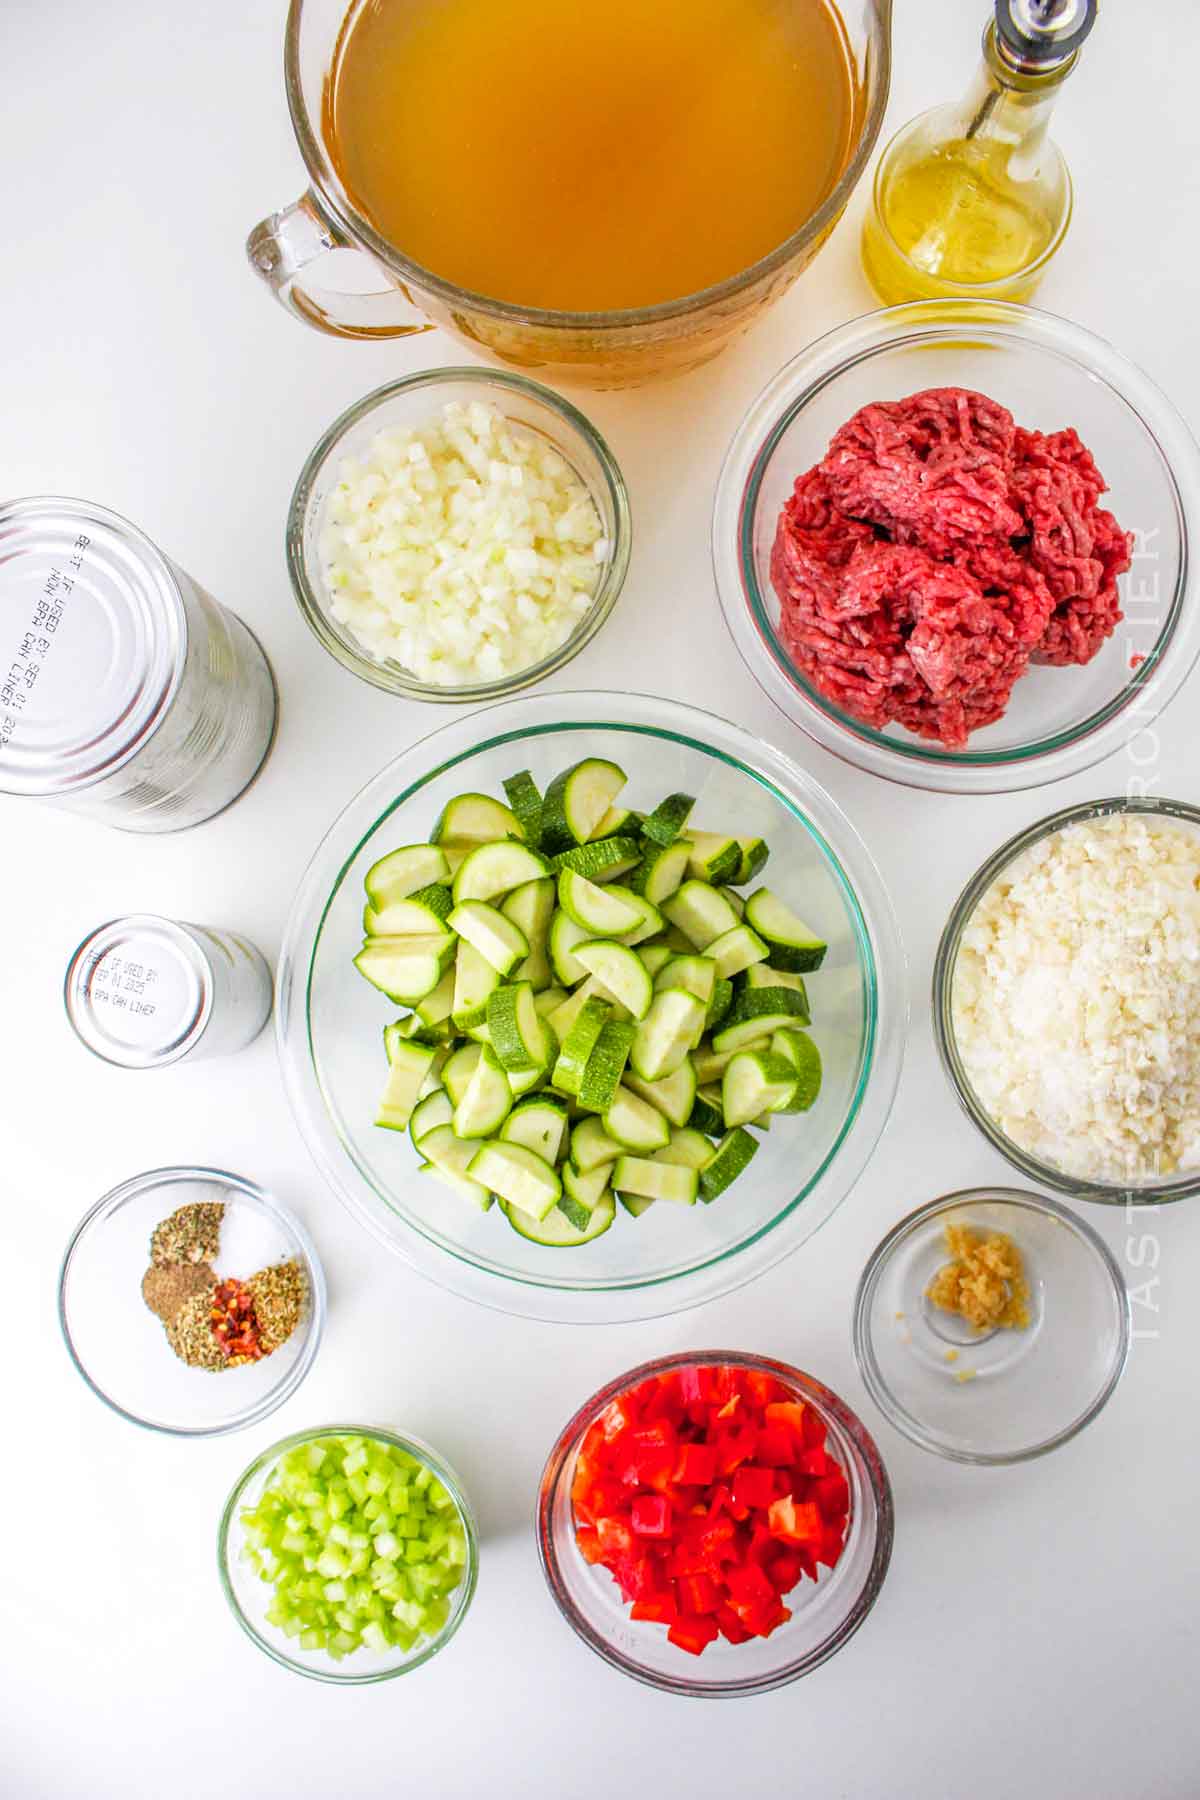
(144, 992)
(126, 692)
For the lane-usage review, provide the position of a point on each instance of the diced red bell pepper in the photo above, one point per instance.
(736, 1447)
(832, 1545)
(749, 1586)
(696, 1465)
(832, 1495)
(647, 1455)
(814, 1429)
(651, 1516)
(789, 1413)
(616, 1537)
(753, 1486)
(796, 1523)
(784, 1569)
(692, 1633)
(655, 1609)
(589, 1544)
(778, 1447)
(636, 1576)
(708, 1494)
(698, 1386)
(698, 1594)
(731, 1627)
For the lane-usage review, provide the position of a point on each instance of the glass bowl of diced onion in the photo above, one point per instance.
(458, 535)
(359, 1497)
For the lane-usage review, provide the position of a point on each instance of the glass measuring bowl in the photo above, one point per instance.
(599, 349)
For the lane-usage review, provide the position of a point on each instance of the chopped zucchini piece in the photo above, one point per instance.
(602, 859)
(661, 871)
(713, 859)
(540, 1125)
(409, 1065)
(620, 972)
(486, 1102)
(805, 1058)
(729, 1160)
(736, 950)
(756, 1082)
(475, 819)
(406, 968)
(670, 1028)
(757, 1012)
(403, 872)
(655, 1180)
(577, 800)
(668, 819)
(673, 1095)
(634, 1124)
(578, 1044)
(485, 928)
(495, 869)
(519, 1176)
(558, 1231)
(604, 1067)
(522, 795)
(591, 1146)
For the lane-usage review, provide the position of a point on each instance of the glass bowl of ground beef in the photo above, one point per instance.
(951, 542)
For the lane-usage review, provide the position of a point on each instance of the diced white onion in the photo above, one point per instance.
(466, 549)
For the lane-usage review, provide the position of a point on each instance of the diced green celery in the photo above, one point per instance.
(354, 1460)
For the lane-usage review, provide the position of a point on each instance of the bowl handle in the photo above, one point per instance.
(283, 246)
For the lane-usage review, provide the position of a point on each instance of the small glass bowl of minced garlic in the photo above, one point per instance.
(991, 1325)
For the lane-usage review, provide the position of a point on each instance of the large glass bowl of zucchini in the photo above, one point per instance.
(591, 1006)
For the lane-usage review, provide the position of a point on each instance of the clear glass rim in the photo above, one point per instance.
(463, 1594)
(390, 676)
(864, 1349)
(979, 290)
(746, 608)
(880, 1055)
(1157, 1193)
(871, 1468)
(314, 1273)
(344, 215)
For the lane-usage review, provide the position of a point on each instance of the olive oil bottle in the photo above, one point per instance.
(974, 198)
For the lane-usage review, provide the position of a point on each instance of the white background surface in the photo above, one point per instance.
(1037, 1629)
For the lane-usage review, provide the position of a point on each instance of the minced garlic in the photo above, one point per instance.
(984, 1281)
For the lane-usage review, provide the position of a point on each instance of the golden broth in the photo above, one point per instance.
(595, 154)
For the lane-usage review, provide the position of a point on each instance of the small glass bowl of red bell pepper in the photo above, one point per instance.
(714, 1523)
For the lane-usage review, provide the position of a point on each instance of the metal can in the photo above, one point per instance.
(126, 692)
(144, 992)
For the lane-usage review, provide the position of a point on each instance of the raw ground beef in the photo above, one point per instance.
(934, 552)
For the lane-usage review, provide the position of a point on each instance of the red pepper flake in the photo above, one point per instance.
(235, 1323)
(1135, 662)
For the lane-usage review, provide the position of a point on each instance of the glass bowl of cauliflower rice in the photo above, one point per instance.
(458, 535)
(1066, 1001)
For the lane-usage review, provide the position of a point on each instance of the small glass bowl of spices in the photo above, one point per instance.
(191, 1301)
(991, 1325)
(349, 1553)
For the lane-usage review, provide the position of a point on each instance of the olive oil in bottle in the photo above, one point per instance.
(974, 198)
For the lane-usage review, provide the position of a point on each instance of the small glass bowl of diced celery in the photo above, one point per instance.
(349, 1553)
(592, 1006)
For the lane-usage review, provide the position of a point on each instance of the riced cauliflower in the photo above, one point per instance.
(1076, 1000)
